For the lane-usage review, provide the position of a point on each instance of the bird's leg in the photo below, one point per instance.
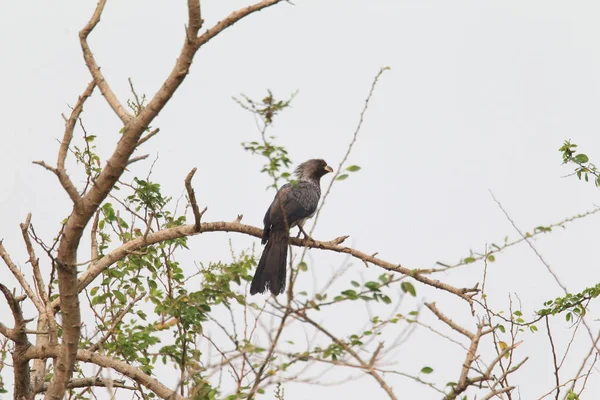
(301, 230)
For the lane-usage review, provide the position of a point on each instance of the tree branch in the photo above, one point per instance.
(122, 367)
(448, 321)
(193, 202)
(92, 65)
(92, 381)
(116, 321)
(232, 19)
(109, 259)
(34, 261)
(20, 364)
(21, 279)
(60, 171)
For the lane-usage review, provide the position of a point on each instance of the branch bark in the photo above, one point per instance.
(334, 245)
(19, 337)
(122, 367)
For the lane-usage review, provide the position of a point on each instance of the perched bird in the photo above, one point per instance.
(294, 203)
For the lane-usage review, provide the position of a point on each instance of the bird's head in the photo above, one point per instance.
(312, 170)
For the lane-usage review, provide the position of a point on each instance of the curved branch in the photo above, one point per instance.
(334, 245)
(35, 352)
(232, 19)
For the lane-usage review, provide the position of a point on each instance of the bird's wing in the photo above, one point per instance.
(293, 203)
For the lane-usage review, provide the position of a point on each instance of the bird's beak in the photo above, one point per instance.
(328, 168)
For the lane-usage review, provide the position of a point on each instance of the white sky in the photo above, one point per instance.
(480, 97)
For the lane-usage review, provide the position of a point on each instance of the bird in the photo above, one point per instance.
(294, 203)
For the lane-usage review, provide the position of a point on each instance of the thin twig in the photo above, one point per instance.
(350, 146)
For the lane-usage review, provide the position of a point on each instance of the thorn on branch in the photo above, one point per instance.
(238, 219)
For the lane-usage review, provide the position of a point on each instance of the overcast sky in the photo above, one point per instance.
(479, 98)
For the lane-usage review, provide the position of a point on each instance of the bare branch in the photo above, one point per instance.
(368, 369)
(495, 393)
(46, 166)
(34, 261)
(93, 381)
(530, 244)
(70, 126)
(94, 237)
(448, 321)
(21, 279)
(109, 259)
(232, 19)
(92, 65)
(556, 377)
(193, 202)
(350, 146)
(22, 387)
(136, 159)
(147, 137)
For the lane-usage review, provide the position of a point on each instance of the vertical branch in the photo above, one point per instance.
(557, 380)
(263, 367)
(20, 363)
(193, 202)
(34, 261)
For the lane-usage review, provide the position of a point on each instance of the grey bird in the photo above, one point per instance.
(294, 203)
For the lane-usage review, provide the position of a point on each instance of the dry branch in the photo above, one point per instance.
(20, 278)
(92, 65)
(93, 381)
(448, 321)
(109, 259)
(193, 202)
(122, 367)
(19, 337)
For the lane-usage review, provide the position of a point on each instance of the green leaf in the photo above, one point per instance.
(120, 296)
(408, 287)
(353, 168)
(502, 329)
(426, 370)
(341, 177)
(581, 158)
(302, 266)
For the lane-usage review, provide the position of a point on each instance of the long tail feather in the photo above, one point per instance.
(271, 270)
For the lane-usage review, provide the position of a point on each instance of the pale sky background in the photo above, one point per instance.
(480, 97)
